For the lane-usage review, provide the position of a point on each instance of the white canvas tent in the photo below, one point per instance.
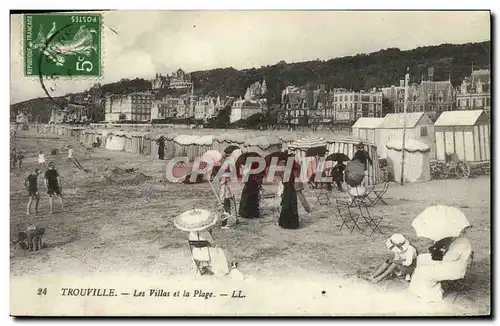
(416, 164)
(466, 133)
(367, 128)
(418, 127)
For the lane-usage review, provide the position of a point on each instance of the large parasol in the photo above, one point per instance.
(354, 173)
(281, 156)
(195, 220)
(214, 155)
(308, 142)
(337, 157)
(230, 149)
(439, 222)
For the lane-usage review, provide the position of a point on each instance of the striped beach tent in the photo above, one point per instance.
(307, 142)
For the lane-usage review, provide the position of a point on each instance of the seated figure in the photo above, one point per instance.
(426, 280)
(210, 259)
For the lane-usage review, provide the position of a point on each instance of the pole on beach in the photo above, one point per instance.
(405, 108)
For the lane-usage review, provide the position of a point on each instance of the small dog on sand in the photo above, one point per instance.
(32, 238)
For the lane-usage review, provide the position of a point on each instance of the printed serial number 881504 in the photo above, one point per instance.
(84, 19)
(42, 291)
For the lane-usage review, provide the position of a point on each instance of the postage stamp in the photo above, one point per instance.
(62, 44)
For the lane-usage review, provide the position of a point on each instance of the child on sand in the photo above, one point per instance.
(403, 262)
(225, 195)
(41, 160)
(71, 152)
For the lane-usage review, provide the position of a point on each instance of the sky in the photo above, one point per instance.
(150, 42)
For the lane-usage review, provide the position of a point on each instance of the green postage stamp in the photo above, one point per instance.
(62, 44)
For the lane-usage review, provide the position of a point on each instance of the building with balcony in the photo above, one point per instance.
(347, 106)
(431, 97)
(132, 107)
(207, 107)
(475, 92)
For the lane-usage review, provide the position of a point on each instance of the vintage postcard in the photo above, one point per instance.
(250, 163)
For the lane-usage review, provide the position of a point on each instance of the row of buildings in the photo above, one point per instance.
(299, 106)
(339, 106)
(148, 106)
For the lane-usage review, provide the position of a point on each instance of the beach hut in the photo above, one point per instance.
(347, 145)
(169, 144)
(128, 142)
(203, 144)
(466, 133)
(367, 128)
(224, 140)
(416, 160)
(146, 147)
(286, 140)
(137, 141)
(185, 145)
(418, 127)
(262, 145)
(117, 141)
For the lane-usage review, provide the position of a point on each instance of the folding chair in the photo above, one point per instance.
(323, 196)
(200, 244)
(345, 214)
(372, 222)
(358, 198)
(460, 285)
(378, 194)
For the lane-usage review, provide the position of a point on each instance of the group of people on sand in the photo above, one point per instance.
(51, 180)
(249, 204)
(289, 191)
(446, 260)
(53, 185)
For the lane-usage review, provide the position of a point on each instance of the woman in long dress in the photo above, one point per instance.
(289, 216)
(161, 147)
(250, 198)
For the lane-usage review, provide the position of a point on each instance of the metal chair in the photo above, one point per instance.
(377, 195)
(199, 244)
(345, 214)
(372, 222)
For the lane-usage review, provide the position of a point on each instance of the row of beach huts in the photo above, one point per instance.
(466, 133)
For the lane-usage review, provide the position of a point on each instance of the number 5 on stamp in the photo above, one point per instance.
(62, 44)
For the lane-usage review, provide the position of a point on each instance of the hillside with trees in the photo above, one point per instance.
(360, 72)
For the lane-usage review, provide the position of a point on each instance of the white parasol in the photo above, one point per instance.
(195, 220)
(439, 222)
(214, 155)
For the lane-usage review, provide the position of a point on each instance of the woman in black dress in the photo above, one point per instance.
(289, 216)
(161, 147)
(250, 198)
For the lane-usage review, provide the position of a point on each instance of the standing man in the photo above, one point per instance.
(362, 156)
(31, 183)
(53, 185)
(20, 157)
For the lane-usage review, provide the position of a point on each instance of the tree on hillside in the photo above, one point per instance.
(387, 107)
